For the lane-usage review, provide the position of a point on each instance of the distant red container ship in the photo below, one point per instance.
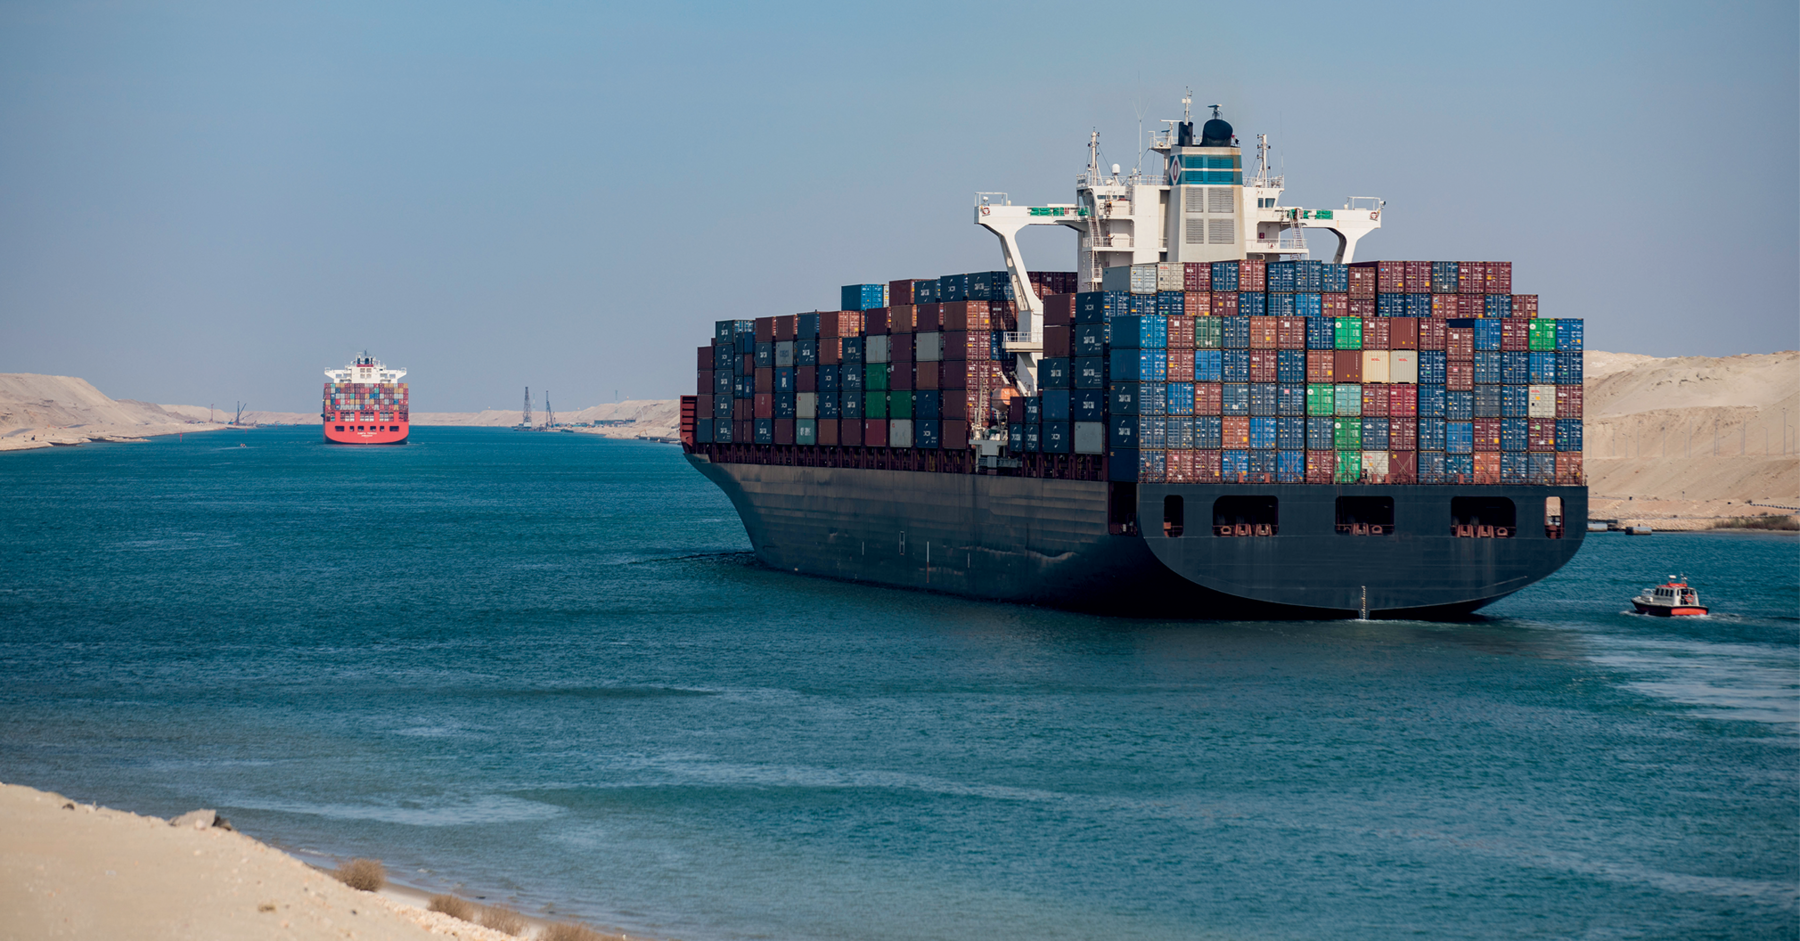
(365, 403)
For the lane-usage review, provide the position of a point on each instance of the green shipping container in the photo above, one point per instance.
(900, 405)
(1543, 336)
(1349, 333)
(1209, 332)
(1349, 463)
(1348, 397)
(1346, 436)
(875, 405)
(875, 378)
(1321, 400)
(806, 431)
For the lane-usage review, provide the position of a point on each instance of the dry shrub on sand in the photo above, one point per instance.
(452, 906)
(570, 931)
(369, 875)
(503, 919)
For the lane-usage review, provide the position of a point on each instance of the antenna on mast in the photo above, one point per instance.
(1187, 101)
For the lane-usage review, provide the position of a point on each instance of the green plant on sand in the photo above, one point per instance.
(452, 906)
(367, 875)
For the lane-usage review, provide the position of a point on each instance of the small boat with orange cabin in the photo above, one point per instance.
(1672, 599)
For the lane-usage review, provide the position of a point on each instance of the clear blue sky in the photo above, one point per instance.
(214, 201)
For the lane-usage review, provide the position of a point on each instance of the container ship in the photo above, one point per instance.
(365, 403)
(1201, 421)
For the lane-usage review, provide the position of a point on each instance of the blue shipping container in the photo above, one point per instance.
(1431, 434)
(1206, 432)
(863, 296)
(1569, 335)
(1568, 434)
(1320, 433)
(1090, 372)
(1568, 368)
(1209, 366)
(1237, 365)
(1236, 333)
(1181, 398)
(1235, 398)
(1088, 405)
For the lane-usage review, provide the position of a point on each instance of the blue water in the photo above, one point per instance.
(545, 668)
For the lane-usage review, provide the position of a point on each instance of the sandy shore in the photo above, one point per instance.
(71, 870)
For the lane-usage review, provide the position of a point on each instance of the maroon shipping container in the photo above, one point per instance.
(925, 376)
(1181, 333)
(784, 327)
(973, 346)
(954, 434)
(741, 410)
(1290, 333)
(1471, 277)
(1390, 277)
(1262, 366)
(900, 347)
(1056, 340)
(1515, 336)
(1459, 376)
(1224, 304)
(1196, 276)
(765, 329)
(1059, 310)
(704, 359)
(1181, 365)
(1525, 306)
(875, 322)
(704, 402)
(1568, 401)
(1568, 467)
(1362, 280)
(1471, 306)
(1403, 400)
(901, 292)
(765, 383)
(1264, 333)
(1403, 466)
(1197, 304)
(827, 435)
(1206, 467)
(1209, 398)
(784, 431)
(1499, 277)
(1015, 411)
(955, 403)
(830, 350)
(764, 405)
(1321, 466)
(1374, 400)
(1403, 333)
(1002, 315)
(806, 378)
(1487, 467)
(1418, 277)
(1445, 307)
(1321, 365)
(840, 323)
(928, 318)
(967, 315)
(1253, 275)
(1348, 367)
(900, 320)
(1431, 334)
(850, 433)
(703, 381)
(875, 432)
(743, 430)
(1180, 467)
(1459, 343)
(1487, 434)
(1403, 433)
(1359, 307)
(1376, 333)
(901, 376)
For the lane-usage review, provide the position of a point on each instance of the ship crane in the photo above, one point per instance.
(1200, 210)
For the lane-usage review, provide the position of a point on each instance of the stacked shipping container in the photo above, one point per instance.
(370, 401)
(1244, 371)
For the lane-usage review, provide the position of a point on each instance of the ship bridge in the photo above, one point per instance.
(365, 368)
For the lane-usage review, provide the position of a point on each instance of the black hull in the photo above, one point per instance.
(1048, 542)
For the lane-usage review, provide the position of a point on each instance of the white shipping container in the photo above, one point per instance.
(900, 433)
(1170, 276)
(875, 349)
(1541, 402)
(1143, 279)
(1403, 366)
(806, 405)
(928, 347)
(1375, 365)
(1090, 437)
(1375, 463)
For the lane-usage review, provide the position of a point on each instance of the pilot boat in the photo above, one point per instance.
(1673, 599)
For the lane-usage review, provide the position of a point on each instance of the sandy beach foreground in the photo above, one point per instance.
(70, 870)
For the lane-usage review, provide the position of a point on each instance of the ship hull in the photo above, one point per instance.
(1060, 543)
(364, 433)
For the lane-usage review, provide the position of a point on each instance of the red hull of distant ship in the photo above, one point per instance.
(365, 433)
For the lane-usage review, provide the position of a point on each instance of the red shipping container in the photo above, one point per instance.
(1515, 335)
(1525, 306)
(1234, 432)
(1471, 306)
(1391, 278)
(1181, 334)
(1002, 315)
(954, 435)
(1403, 400)
(1487, 467)
(1264, 333)
(1348, 367)
(703, 381)
(955, 403)
(1403, 434)
(1015, 411)
(1432, 334)
(900, 319)
(1403, 466)
(1362, 280)
(1253, 275)
(1179, 465)
(1374, 400)
(1290, 333)
(900, 292)
(1056, 340)
(875, 322)
(1568, 467)
(1403, 333)
(1376, 334)
(1059, 310)
(784, 327)
(840, 323)
(850, 433)
(741, 410)
(1471, 277)
(967, 315)
(827, 435)
(1224, 304)
(900, 347)
(1321, 466)
(900, 377)
(704, 359)
(1321, 365)
(1499, 277)
(1181, 365)
(743, 431)
(784, 431)
(1487, 434)
(1209, 398)
(1196, 276)
(1459, 343)
(1568, 401)
(1197, 304)
(764, 405)
(928, 318)
(806, 378)
(1445, 307)
(1418, 277)
(1459, 376)
(765, 329)
(765, 382)
(1360, 307)
(875, 432)
(1262, 366)
(829, 350)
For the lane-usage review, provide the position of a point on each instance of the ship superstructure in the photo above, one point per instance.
(366, 403)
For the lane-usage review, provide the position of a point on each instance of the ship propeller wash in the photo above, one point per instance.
(1200, 420)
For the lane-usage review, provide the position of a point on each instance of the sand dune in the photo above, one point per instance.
(41, 411)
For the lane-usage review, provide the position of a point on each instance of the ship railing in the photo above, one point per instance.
(1024, 338)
